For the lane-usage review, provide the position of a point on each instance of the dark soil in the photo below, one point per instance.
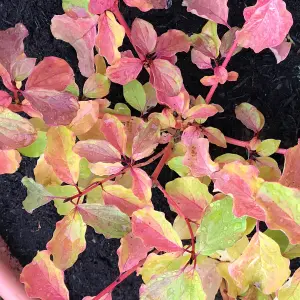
(273, 89)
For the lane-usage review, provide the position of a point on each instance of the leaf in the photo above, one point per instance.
(265, 19)
(279, 237)
(180, 226)
(106, 169)
(141, 184)
(80, 33)
(37, 195)
(122, 109)
(191, 196)
(131, 251)
(96, 86)
(5, 99)
(172, 42)
(37, 148)
(197, 158)
(73, 5)
(228, 40)
(290, 176)
(9, 161)
(171, 285)
(200, 60)
(124, 70)
(23, 68)
(268, 168)
(215, 136)
(242, 183)
(282, 209)
(165, 77)
(146, 5)
(292, 251)
(155, 231)
(143, 36)
(87, 117)
(97, 151)
(228, 158)
(135, 95)
(254, 293)
(291, 289)
(262, 264)
(68, 240)
(114, 33)
(166, 118)
(216, 11)
(100, 64)
(219, 228)
(250, 116)
(122, 198)
(281, 51)
(59, 154)
(146, 141)
(51, 280)
(15, 131)
(201, 111)
(105, 219)
(267, 147)
(151, 99)
(99, 7)
(156, 265)
(176, 164)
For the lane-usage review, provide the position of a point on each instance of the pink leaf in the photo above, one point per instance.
(201, 111)
(131, 251)
(114, 34)
(281, 51)
(29, 110)
(241, 182)
(143, 36)
(100, 6)
(97, 151)
(221, 74)
(216, 10)
(141, 184)
(179, 103)
(51, 73)
(57, 108)
(200, 60)
(5, 99)
(124, 70)
(146, 5)
(267, 24)
(165, 77)
(114, 132)
(209, 80)
(197, 158)
(171, 42)
(23, 68)
(106, 169)
(190, 134)
(6, 78)
(81, 34)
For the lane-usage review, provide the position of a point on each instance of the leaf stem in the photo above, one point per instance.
(224, 64)
(121, 278)
(151, 160)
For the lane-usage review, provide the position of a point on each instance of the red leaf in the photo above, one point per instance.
(52, 73)
(57, 108)
(124, 70)
(267, 24)
(5, 99)
(171, 42)
(200, 60)
(114, 132)
(81, 34)
(241, 182)
(100, 6)
(50, 284)
(197, 158)
(131, 251)
(143, 36)
(216, 10)
(114, 34)
(281, 51)
(165, 77)
(97, 151)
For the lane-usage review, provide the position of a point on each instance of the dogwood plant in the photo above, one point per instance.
(91, 155)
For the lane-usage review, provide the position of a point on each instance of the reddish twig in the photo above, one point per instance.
(150, 160)
(121, 278)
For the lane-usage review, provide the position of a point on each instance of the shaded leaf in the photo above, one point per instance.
(107, 220)
(268, 168)
(228, 40)
(279, 237)
(180, 226)
(50, 285)
(281, 51)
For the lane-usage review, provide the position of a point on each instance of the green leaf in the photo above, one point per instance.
(176, 164)
(268, 147)
(69, 4)
(228, 158)
(292, 251)
(73, 89)
(105, 219)
(37, 195)
(135, 95)
(85, 174)
(37, 148)
(279, 237)
(219, 228)
(122, 109)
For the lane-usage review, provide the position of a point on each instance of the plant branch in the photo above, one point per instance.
(151, 160)
(121, 278)
(224, 64)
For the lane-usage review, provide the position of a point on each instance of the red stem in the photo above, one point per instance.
(121, 278)
(224, 64)
(150, 160)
